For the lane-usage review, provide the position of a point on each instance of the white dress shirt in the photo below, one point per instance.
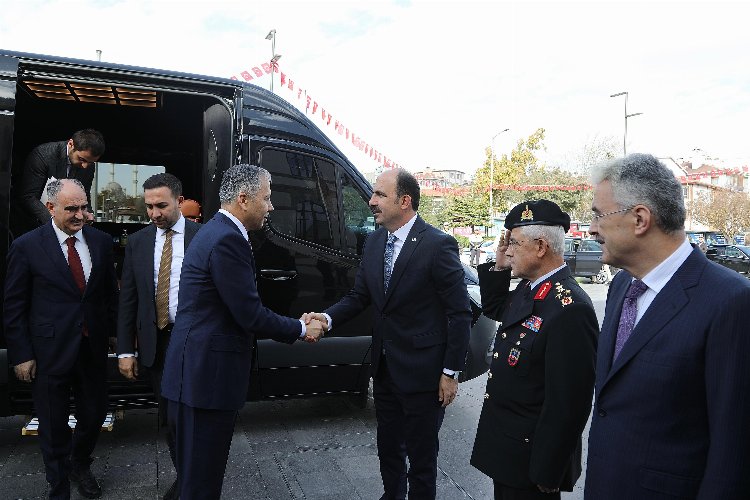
(659, 276)
(81, 247)
(538, 281)
(178, 254)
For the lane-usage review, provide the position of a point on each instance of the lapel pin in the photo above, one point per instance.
(413, 239)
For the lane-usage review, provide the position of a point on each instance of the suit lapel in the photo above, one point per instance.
(410, 245)
(52, 247)
(190, 230)
(145, 255)
(96, 256)
(665, 306)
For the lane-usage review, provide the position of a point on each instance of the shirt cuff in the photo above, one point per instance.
(330, 321)
(304, 329)
(127, 355)
(450, 373)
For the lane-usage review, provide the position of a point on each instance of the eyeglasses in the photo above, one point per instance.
(517, 243)
(595, 216)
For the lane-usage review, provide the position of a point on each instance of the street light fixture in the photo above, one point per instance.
(274, 56)
(625, 136)
(492, 169)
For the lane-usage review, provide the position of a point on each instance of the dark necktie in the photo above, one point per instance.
(388, 260)
(76, 268)
(162, 282)
(629, 313)
(74, 261)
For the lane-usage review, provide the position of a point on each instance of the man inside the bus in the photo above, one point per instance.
(72, 159)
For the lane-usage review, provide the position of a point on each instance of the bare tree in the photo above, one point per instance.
(721, 210)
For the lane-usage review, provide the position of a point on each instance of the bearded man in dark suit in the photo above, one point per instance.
(412, 276)
(72, 159)
(149, 289)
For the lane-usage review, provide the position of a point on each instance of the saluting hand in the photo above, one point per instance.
(501, 261)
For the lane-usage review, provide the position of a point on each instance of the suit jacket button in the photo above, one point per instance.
(486, 396)
(602, 412)
(503, 335)
(525, 440)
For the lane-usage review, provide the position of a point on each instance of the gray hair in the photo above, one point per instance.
(54, 188)
(553, 235)
(241, 178)
(641, 179)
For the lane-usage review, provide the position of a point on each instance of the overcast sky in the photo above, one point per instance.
(430, 83)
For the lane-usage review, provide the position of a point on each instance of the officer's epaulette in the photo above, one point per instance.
(563, 294)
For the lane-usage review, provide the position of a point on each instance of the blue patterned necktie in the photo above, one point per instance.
(629, 313)
(388, 260)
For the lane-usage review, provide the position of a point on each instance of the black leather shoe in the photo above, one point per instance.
(171, 493)
(87, 483)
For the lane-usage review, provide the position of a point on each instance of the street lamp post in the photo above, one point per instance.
(492, 169)
(625, 136)
(274, 56)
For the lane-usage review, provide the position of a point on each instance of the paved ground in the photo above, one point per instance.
(321, 448)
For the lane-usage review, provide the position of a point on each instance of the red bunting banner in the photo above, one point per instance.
(325, 117)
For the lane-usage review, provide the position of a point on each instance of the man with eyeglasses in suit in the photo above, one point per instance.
(541, 378)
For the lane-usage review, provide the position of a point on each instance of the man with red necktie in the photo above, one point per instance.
(59, 309)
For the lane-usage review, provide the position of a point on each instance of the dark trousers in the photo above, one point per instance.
(202, 445)
(155, 372)
(503, 492)
(62, 449)
(408, 425)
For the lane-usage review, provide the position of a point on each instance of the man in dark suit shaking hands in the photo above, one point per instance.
(207, 367)
(672, 378)
(412, 276)
(149, 288)
(60, 301)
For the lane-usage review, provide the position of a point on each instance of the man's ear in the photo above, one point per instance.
(50, 207)
(644, 219)
(406, 201)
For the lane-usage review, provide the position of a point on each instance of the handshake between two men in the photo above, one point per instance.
(316, 325)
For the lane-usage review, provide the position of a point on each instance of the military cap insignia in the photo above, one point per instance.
(563, 295)
(533, 323)
(527, 214)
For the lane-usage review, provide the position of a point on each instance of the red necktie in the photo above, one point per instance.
(76, 268)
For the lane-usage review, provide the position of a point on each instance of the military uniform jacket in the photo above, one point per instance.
(541, 380)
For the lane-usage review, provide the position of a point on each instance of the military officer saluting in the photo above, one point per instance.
(541, 380)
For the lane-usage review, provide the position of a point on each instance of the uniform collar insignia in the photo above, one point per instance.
(543, 290)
